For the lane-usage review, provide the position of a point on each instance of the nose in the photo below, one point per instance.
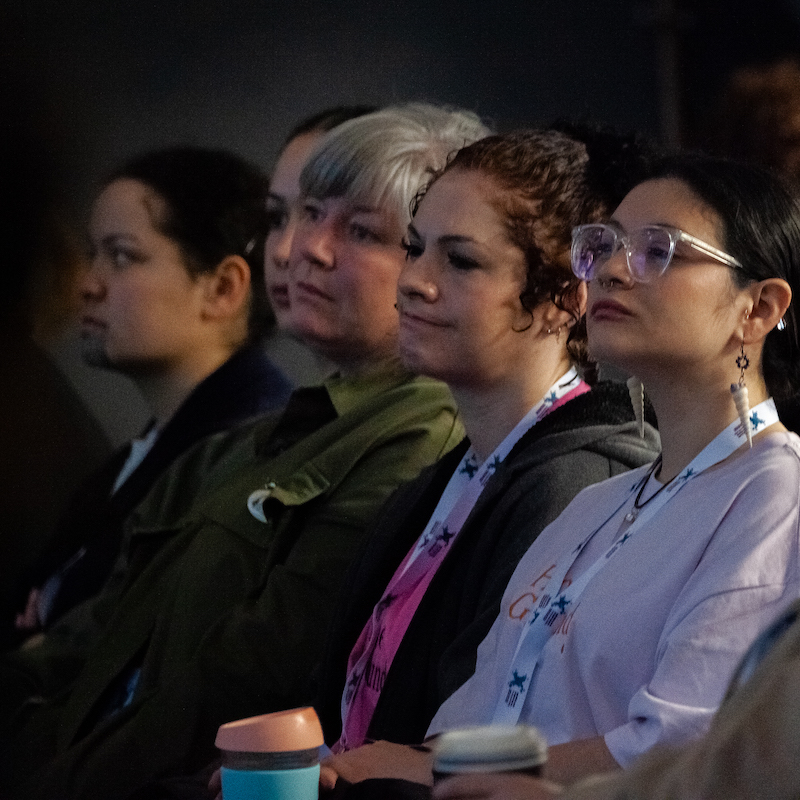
(315, 243)
(416, 280)
(614, 270)
(279, 245)
(91, 285)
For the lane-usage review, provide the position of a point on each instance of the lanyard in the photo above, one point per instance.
(554, 604)
(456, 504)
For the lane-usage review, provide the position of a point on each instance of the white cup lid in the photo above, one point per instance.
(489, 748)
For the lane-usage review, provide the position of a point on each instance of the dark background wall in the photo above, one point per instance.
(127, 75)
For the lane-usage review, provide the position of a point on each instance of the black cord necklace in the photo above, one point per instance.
(638, 506)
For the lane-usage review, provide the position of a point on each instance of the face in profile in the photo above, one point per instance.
(140, 306)
(344, 266)
(458, 295)
(283, 209)
(681, 319)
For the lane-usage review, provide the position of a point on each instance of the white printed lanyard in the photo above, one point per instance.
(461, 505)
(457, 502)
(551, 609)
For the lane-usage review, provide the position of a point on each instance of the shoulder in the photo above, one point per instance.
(770, 469)
(596, 429)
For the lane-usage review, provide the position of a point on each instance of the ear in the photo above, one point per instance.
(226, 290)
(770, 299)
(574, 302)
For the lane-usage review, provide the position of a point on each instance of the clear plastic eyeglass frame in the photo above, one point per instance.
(645, 260)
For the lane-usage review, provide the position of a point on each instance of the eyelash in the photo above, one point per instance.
(363, 233)
(276, 218)
(461, 262)
(122, 257)
(311, 212)
(412, 250)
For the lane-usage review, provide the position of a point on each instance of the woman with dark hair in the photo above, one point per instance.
(659, 581)
(283, 212)
(488, 304)
(174, 299)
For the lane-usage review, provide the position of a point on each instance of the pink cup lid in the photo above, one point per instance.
(283, 731)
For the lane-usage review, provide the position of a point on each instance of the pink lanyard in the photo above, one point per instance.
(412, 577)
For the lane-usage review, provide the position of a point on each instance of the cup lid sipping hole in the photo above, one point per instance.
(489, 748)
(281, 731)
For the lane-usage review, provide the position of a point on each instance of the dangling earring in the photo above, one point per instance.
(636, 392)
(740, 396)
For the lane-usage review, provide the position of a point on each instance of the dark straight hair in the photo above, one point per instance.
(760, 216)
(215, 206)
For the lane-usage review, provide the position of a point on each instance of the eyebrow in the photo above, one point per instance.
(446, 239)
(113, 238)
(619, 225)
(359, 209)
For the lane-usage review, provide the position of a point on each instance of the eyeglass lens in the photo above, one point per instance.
(648, 250)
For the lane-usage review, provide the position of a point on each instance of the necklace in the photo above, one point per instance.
(637, 506)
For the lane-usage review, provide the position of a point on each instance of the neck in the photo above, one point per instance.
(165, 390)
(490, 413)
(690, 416)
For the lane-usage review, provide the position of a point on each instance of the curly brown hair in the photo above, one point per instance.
(549, 181)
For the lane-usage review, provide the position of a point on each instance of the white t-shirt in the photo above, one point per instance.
(647, 653)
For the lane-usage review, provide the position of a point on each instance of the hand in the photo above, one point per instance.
(215, 783)
(496, 786)
(28, 620)
(379, 760)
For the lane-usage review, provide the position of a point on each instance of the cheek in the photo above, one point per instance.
(374, 291)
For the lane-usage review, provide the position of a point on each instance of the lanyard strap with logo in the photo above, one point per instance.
(560, 600)
(455, 505)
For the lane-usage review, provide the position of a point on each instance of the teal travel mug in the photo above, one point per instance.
(271, 757)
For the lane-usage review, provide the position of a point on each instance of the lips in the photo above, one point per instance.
(304, 289)
(279, 295)
(608, 310)
(413, 318)
(92, 325)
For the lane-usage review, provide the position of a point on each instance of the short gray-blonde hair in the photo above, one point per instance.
(383, 159)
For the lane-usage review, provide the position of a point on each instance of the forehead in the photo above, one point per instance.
(669, 201)
(126, 203)
(285, 180)
(462, 199)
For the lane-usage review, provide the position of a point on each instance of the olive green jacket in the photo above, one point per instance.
(225, 614)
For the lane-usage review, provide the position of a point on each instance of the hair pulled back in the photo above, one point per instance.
(548, 182)
(760, 217)
(382, 159)
(214, 206)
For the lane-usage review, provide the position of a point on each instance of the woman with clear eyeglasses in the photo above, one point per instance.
(624, 621)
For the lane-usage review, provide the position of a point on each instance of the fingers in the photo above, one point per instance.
(327, 777)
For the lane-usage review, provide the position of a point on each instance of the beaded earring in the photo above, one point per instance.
(636, 392)
(740, 396)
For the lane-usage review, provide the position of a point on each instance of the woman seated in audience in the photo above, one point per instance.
(283, 214)
(234, 559)
(487, 303)
(173, 298)
(751, 750)
(623, 622)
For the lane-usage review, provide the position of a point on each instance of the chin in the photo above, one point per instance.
(94, 353)
(415, 362)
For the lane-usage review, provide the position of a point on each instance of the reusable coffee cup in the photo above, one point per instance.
(489, 748)
(272, 756)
